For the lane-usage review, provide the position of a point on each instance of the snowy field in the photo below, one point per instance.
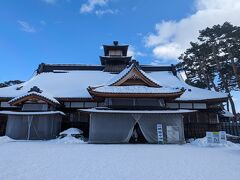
(71, 159)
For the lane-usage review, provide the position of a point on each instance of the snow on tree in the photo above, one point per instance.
(213, 61)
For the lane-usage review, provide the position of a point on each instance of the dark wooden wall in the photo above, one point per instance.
(76, 120)
(3, 122)
(196, 124)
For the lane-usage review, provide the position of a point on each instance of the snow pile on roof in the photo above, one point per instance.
(74, 84)
(226, 113)
(202, 142)
(67, 140)
(135, 89)
(71, 131)
(166, 78)
(149, 77)
(43, 95)
(117, 77)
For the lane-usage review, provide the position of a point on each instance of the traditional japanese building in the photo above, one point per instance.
(109, 102)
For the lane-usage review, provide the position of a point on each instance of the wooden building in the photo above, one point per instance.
(109, 102)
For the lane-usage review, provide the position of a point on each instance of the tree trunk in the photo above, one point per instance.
(213, 85)
(232, 105)
(228, 105)
(203, 69)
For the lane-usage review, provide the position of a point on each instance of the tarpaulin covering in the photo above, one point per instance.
(118, 127)
(33, 127)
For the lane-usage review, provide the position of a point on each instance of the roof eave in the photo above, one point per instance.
(134, 95)
(213, 100)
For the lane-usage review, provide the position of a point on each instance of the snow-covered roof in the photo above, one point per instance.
(94, 110)
(74, 84)
(31, 113)
(166, 78)
(135, 89)
(147, 86)
(42, 95)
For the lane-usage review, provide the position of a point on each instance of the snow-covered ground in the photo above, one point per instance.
(73, 159)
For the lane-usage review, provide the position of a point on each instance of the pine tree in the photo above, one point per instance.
(215, 56)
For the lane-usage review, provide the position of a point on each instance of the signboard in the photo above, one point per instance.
(216, 137)
(160, 133)
(223, 136)
(209, 137)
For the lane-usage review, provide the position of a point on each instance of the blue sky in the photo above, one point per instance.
(59, 31)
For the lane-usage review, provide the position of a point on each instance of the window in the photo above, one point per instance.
(115, 53)
(5, 104)
(200, 106)
(172, 105)
(35, 107)
(186, 105)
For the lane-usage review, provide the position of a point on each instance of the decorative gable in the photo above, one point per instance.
(134, 76)
(133, 82)
(34, 95)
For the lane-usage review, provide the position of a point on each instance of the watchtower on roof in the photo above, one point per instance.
(115, 57)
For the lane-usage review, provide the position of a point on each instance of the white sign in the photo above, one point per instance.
(223, 136)
(216, 137)
(160, 133)
(209, 137)
(173, 135)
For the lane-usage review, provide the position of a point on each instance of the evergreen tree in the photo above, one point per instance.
(214, 61)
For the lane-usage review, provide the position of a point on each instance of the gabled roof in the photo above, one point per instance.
(33, 96)
(133, 82)
(134, 72)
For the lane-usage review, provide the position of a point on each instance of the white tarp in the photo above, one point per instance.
(118, 127)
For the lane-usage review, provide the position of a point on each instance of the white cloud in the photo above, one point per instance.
(105, 11)
(172, 37)
(91, 5)
(161, 62)
(168, 51)
(97, 7)
(134, 53)
(25, 26)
